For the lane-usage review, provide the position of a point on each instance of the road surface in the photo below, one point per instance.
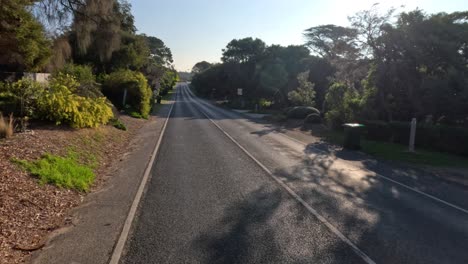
(226, 189)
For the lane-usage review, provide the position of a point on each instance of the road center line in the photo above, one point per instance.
(309, 208)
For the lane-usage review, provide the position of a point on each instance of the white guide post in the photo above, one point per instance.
(412, 135)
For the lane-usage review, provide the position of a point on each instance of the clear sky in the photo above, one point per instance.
(197, 30)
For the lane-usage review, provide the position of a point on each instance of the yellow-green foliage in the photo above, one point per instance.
(65, 172)
(138, 91)
(58, 103)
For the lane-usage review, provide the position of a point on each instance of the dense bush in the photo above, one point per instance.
(313, 119)
(57, 103)
(301, 112)
(304, 94)
(138, 92)
(19, 97)
(436, 137)
(88, 87)
(343, 105)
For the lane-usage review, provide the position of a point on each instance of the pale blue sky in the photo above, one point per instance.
(197, 30)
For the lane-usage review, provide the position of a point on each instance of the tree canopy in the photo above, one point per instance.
(243, 50)
(386, 66)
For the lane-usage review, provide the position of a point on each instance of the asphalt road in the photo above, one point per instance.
(226, 189)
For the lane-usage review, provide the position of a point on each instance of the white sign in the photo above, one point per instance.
(239, 91)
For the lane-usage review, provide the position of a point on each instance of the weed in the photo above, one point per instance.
(135, 114)
(118, 124)
(6, 128)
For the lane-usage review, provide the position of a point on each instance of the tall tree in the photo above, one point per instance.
(332, 41)
(243, 50)
(23, 43)
(159, 51)
(200, 67)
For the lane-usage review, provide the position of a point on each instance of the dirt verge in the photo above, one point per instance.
(30, 211)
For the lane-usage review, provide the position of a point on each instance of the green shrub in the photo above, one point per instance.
(20, 97)
(301, 112)
(88, 87)
(135, 114)
(304, 94)
(334, 119)
(138, 92)
(264, 103)
(313, 119)
(57, 103)
(343, 105)
(118, 124)
(65, 172)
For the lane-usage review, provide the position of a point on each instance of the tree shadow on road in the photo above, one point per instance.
(242, 228)
(391, 223)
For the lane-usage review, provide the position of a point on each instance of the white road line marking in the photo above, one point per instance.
(459, 208)
(322, 219)
(119, 247)
(394, 181)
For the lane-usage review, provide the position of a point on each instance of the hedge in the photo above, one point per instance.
(138, 91)
(313, 119)
(301, 112)
(436, 137)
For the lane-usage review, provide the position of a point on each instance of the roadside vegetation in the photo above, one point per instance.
(59, 136)
(386, 68)
(97, 60)
(397, 152)
(64, 172)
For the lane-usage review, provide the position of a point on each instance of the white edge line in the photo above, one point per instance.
(388, 179)
(395, 181)
(322, 219)
(119, 247)
(423, 193)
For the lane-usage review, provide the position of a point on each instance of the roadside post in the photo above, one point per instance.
(412, 135)
(239, 93)
(124, 97)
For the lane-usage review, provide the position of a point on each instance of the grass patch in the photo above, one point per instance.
(398, 152)
(164, 99)
(277, 118)
(135, 114)
(266, 111)
(65, 172)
